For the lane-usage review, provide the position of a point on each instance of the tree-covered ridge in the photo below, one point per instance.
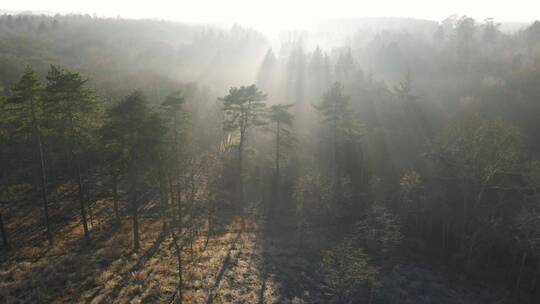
(120, 55)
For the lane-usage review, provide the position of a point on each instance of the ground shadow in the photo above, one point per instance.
(113, 294)
(224, 267)
(295, 269)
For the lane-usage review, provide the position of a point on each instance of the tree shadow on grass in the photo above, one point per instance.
(293, 268)
(224, 267)
(112, 295)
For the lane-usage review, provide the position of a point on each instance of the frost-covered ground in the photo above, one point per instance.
(239, 264)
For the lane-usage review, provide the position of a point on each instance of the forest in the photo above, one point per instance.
(374, 160)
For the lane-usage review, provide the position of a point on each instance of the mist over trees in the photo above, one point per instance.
(394, 140)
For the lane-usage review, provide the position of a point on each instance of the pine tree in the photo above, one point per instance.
(244, 109)
(25, 110)
(72, 113)
(136, 133)
(317, 74)
(280, 116)
(345, 67)
(343, 127)
(267, 71)
(176, 118)
(296, 82)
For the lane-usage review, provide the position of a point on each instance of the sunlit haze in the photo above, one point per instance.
(281, 14)
(270, 151)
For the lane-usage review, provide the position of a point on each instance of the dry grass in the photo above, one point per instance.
(241, 264)
(227, 270)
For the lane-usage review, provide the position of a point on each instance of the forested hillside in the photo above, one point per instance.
(364, 161)
(119, 55)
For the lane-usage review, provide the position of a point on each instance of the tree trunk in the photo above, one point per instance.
(277, 153)
(44, 191)
(171, 193)
(179, 202)
(240, 182)
(136, 244)
(163, 197)
(43, 175)
(75, 158)
(192, 229)
(178, 252)
(115, 198)
(5, 242)
(177, 168)
(277, 187)
(135, 216)
(208, 234)
(90, 214)
(336, 170)
(81, 200)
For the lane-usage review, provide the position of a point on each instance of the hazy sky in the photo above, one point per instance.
(279, 14)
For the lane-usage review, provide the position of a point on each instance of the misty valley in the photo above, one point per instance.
(358, 160)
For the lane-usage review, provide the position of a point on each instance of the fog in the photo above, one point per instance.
(281, 15)
(270, 152)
